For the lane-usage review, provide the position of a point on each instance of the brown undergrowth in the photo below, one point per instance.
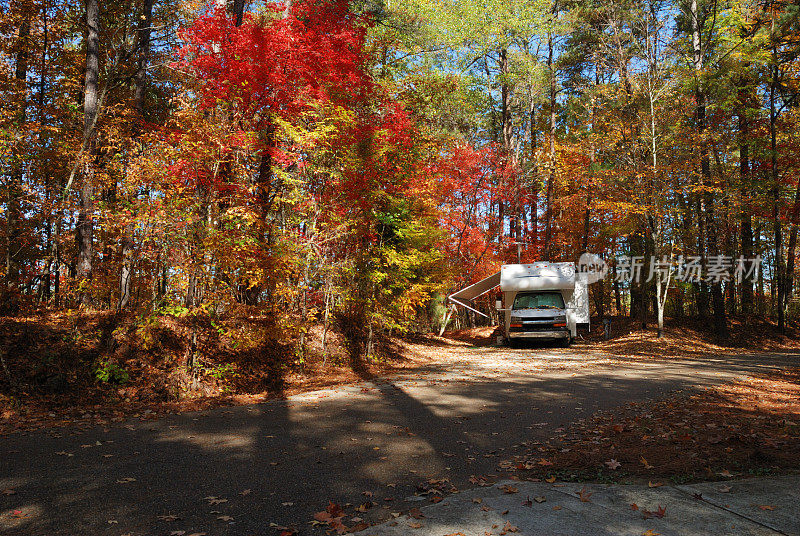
(94, 367)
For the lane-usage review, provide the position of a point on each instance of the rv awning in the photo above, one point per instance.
(478, 289)
(473, 291)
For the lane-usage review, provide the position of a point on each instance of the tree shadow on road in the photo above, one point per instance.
(282, 460)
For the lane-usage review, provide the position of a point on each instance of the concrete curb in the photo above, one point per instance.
(758, 506)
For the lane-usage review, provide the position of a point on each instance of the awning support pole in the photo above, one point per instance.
(467, 306)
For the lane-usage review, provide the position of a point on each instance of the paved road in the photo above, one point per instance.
(279, 462)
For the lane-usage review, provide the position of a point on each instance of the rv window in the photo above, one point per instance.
(539, 300)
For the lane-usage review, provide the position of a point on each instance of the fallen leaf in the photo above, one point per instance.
(415, 525)
(477, 500)
(322, 517)
(215, 500)
(659, 513)
(584, 494)
(724, 489)
(126, 480)
(652, 484)
(644, 462)
(649, 532)
(415, 513)
(540, 499)
(363, 507)
(508, 488)
(332, 514)
(550, 479)
(245, 492)
(766, 507)
(508, 527)
(225, 518)
(479, 480)
(634, 506)
(9, 491)
(168, 518)
(612, 464)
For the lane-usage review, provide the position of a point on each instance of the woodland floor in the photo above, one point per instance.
(442, 414)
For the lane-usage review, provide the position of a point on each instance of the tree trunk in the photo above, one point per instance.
(592, 165)
(126, 271)
(15, 193)
(84, 228)
(645, 290)
(237, 10)
(780, 267)
(533, 236)
(704, 202)
(662, 291)
(506, 130)
(746, 218)
(548, 213)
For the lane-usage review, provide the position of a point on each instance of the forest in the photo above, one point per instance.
(247, 172)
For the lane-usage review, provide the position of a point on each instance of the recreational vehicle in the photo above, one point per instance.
(543, 300)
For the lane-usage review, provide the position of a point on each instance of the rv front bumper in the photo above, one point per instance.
(559, 334)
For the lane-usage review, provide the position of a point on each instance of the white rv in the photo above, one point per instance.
(543, 300)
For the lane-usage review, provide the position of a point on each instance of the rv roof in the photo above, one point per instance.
(537, 276)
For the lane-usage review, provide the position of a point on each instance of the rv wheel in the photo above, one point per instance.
(565, 342)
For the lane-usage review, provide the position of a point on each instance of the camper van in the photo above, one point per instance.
(542, 300)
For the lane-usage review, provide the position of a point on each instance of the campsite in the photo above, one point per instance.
(399, 267)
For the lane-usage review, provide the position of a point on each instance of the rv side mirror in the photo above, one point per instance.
(498, 304)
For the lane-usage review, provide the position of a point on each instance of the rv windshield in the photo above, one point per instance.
(539, 300)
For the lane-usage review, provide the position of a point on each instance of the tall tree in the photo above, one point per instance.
(22, 11)
(143, 33)
(84, 229)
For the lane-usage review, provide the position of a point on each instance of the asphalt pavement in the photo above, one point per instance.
(248, 470)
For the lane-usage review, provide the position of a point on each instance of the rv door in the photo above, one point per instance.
(578, 306)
